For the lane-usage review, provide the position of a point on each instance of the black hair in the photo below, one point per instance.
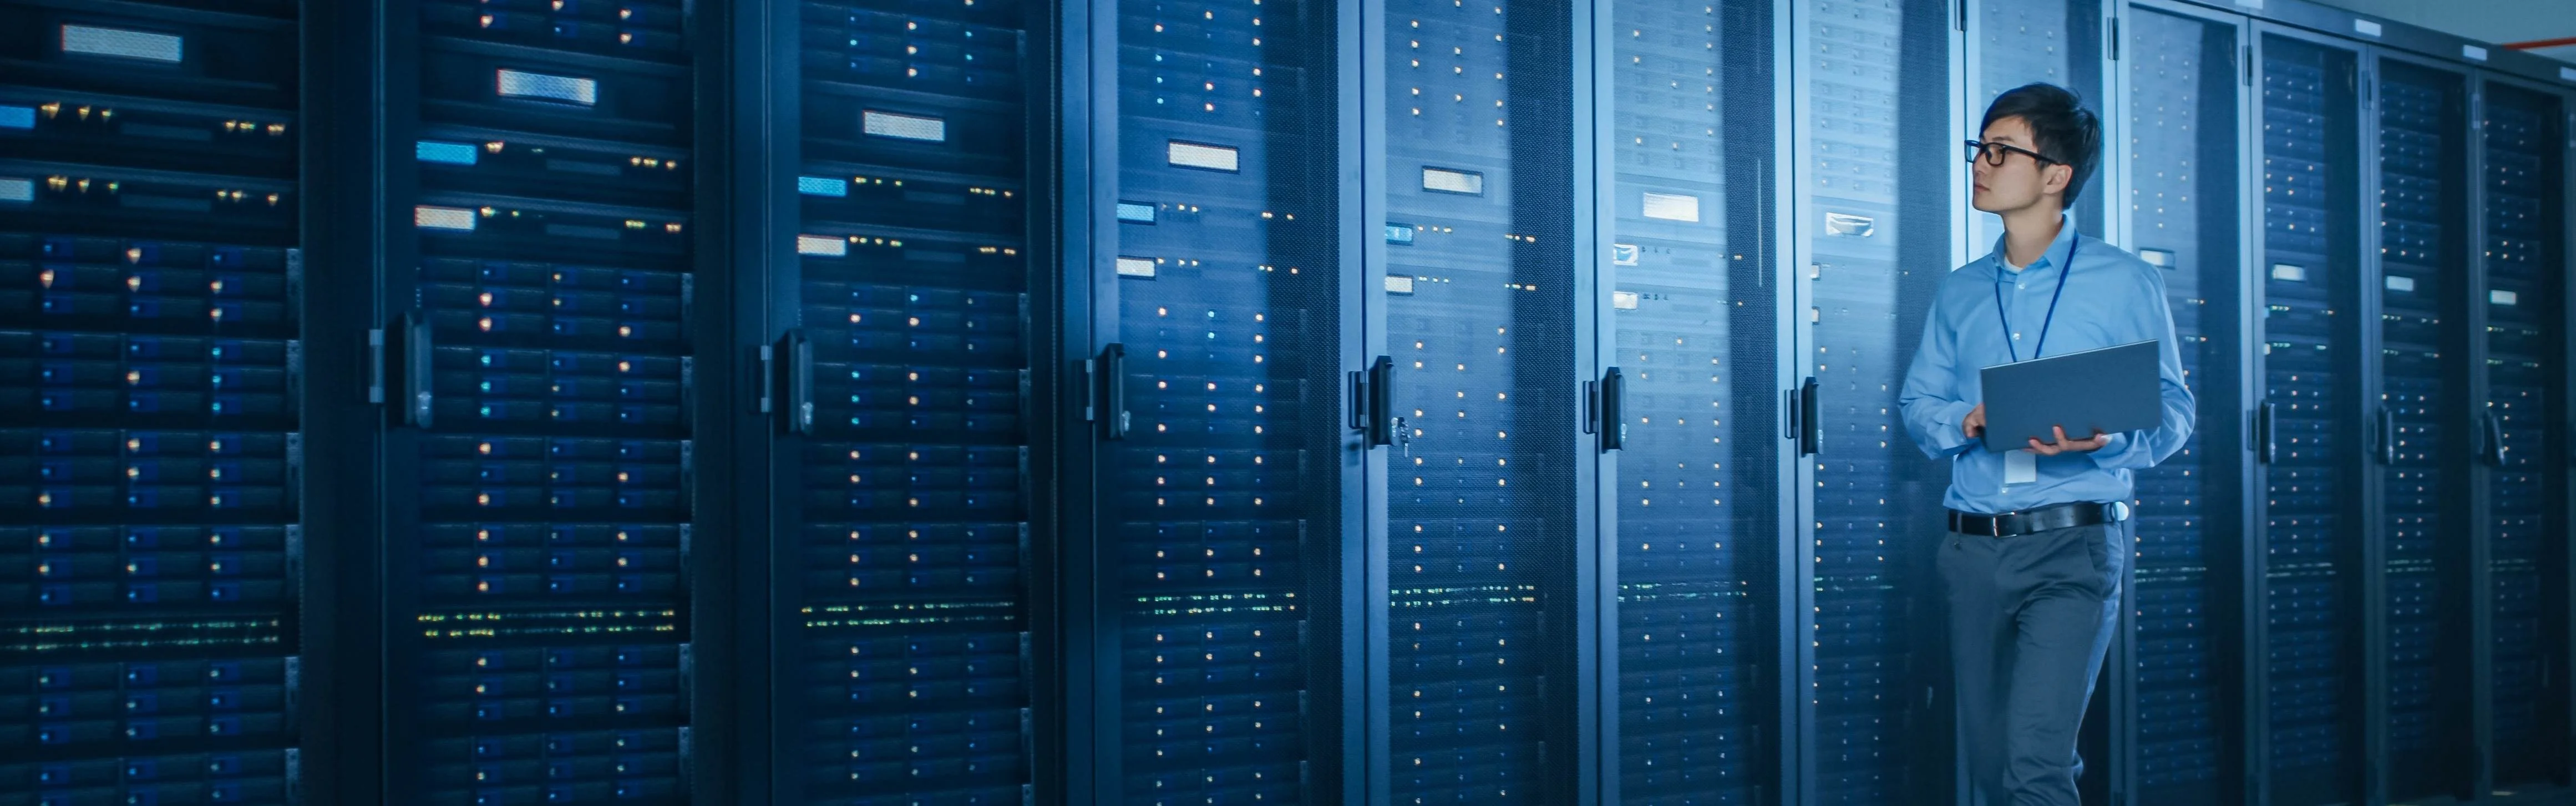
(2060, 128)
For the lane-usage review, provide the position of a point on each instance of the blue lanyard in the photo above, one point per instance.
(2006, 319)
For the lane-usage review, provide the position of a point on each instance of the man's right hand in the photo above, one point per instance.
(1975, 424)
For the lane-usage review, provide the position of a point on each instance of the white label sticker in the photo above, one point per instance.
(1623, 300)
(2158, 258)
(447, 218)
(1136, 267)
(823, 245)
(1443, 180)
(1672, 207)
(121, 43)
(2288, 273)
(1848, 224)
(903, 127)
(2473, 52)
(2020, 466)
(2401, 284)
(1623, 254)
(17, 190)
(1399, 284)
(1203, 157)
(2504, 298)
(2365, 27)
(518, 84)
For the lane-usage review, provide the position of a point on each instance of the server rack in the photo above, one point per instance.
(904, 388)
(2185, 203)
(2421, 429)
(1695, 636)
(1874, 235)
(151, 370)
(542, 381)
(1224, 313)
(2306, 426)
(2521, 153)
(1486, 494)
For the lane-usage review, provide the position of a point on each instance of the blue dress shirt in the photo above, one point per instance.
(2111, 298)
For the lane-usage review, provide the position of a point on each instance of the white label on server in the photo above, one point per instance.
(122, 43)
(2288, 273)
(13, 189)
(1848, 224)
(824, 245)
(1444, 180)
(1672, 207)
(903, 127)
(2567, 73)
(1136, 267)
(1623, 300)
(2401, 284)
(2159, 258)
(2504, 298)
(2473, 52)
(521, 84)
(2365, 27)
(1399, 284)
(1203, 157)
(1623, 254)
(447, 218)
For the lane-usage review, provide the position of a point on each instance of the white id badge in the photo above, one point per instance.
(2020, 466)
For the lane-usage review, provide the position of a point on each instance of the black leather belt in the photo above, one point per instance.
(2043, 519)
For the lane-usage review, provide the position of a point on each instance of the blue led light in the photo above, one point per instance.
(17, 117)
(450, 153)
(822, 186)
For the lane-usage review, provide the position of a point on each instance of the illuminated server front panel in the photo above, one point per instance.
(540, 648)
(907, 673)
(2183, 211)
(2422, 240)
(2525, 248)
(1222, 491)
(149, 362)
(1479, 302)
(2308, 150)
(1694, 307)
(1881, 225)
(2054, 41)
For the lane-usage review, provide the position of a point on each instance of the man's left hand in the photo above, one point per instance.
(2066, 445)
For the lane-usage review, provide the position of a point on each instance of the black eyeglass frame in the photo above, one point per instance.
(1977, 148)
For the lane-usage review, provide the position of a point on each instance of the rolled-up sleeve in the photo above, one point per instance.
(1929, 401)
(2139, 450)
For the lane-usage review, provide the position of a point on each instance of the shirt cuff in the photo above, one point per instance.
(1946, 433)
(2114, 448)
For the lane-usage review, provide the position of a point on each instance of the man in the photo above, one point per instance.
(2038, 535)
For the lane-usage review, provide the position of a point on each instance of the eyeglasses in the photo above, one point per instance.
(1996, 153)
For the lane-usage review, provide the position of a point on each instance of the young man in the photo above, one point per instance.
(2038, 536)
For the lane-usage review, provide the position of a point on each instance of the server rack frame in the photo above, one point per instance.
(2559, 723)
(2235, 623)
(345, 224)
(2465, 571)
(760, 146)
(1801, 750)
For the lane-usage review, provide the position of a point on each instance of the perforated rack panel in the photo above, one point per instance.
(541, 646)
(2523, 249)
(2307, 147)
(150, 357)
(1880, 194)
(2054, 41)
(909, 674)
(1479, 307)
(2184, 214)
(1697, 333)
(2421, 184)
(1224, 491)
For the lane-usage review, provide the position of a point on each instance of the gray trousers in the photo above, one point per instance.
(2030, 618)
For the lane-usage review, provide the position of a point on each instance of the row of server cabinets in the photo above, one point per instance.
(1183, 402)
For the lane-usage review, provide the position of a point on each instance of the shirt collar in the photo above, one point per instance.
(2066, 236)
